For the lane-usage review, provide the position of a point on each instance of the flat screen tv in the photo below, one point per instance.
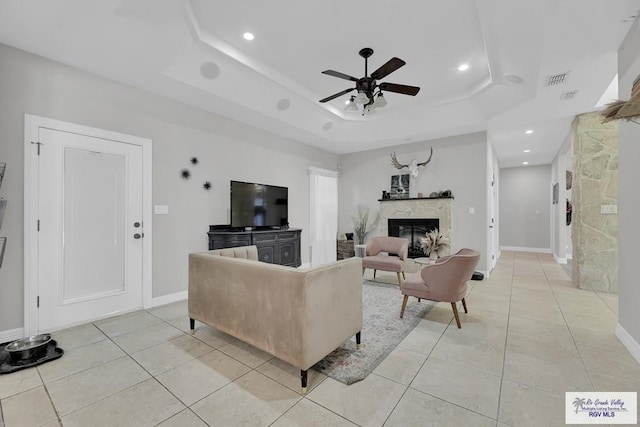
(259, 205)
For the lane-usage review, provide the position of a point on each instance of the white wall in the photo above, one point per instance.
(226, 150)
(459, 164)
(629, 202)
(525, 207)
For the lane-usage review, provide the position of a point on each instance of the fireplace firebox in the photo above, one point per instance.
(412, 229)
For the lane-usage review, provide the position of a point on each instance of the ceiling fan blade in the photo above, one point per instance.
(403, 89)
(339, 75)
(388, 68)
(334, 96)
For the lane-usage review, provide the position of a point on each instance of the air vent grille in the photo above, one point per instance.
(569, 95)
(556, 79)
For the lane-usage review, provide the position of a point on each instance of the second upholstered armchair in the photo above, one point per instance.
(445, 281)
(386, 254)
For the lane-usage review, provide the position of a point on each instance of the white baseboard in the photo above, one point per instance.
(168, 299)
(11, 335)
(559, 260)
(632, 345)
(305, 265)
(569, 256)
(523, 249)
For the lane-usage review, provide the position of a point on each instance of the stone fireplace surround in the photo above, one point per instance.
(427, 207)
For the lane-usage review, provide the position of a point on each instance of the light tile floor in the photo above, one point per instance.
(529, 336)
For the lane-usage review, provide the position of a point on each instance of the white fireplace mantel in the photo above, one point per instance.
(440, 208)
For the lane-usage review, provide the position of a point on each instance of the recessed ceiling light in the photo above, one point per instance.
(525, 163)
(527, 151)
(463, 67)
(528, 132)
(248, 36)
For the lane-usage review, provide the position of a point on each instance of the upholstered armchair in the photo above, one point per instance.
(395, 247)
(445, 281)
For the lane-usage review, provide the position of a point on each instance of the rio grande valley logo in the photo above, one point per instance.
(601, 407)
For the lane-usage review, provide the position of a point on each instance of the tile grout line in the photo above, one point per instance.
(506, 338)
(46, 390)
(575, 343)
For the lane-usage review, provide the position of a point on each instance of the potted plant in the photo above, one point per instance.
(364, 221)
(435, 244)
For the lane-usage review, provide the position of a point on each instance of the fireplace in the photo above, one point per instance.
(412, 229)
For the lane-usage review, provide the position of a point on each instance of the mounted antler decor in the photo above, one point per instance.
(413, 166)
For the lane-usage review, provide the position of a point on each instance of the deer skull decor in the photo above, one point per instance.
(413, 166)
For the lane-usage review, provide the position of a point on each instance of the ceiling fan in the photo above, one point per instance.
(367, 85)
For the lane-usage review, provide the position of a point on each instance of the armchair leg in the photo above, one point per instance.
(403, 276)
(192, 326)
(358, 340)
(399, 279)
(303, 381)
(363, 269)
(404, 305)
(455, 313)
(374, 273)
(464, 304)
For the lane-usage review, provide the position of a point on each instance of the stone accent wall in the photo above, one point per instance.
(417, 208)
(595, 183)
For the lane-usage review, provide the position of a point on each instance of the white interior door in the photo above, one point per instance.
(90, 239)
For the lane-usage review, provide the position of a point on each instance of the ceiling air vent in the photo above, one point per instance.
(568, 95)
(556, 79)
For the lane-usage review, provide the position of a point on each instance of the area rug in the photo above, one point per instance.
(382, 331)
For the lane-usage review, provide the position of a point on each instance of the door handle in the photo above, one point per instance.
(138, 236)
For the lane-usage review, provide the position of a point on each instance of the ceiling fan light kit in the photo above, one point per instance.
(380, 101)
(351, 105)
(369, 91)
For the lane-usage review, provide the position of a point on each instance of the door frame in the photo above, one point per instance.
(32, 124)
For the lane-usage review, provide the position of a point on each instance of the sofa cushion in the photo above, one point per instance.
(383, 262)
(245, 252)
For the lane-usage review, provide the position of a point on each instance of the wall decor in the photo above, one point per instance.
(3, 244)
(414, 166)
(185, 174)
(556, 192)
(206, 185)
(569, 179)
(3, 205)
(400, 186)
(3, 167)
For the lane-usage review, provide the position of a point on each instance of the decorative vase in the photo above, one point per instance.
(433, 255)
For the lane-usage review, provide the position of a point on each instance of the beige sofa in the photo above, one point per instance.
(297, 315)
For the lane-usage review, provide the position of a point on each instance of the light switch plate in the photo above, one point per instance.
(161, 209)
(608, 209)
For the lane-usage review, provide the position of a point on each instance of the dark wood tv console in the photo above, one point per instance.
(274, 246)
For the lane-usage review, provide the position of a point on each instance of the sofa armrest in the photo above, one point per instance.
(334, 307)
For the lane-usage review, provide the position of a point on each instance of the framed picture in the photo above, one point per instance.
(569, 179)
(400, 186)
(556, 192)
(3, 205)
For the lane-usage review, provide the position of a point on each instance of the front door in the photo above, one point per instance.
(90, 239)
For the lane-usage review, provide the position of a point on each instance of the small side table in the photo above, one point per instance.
(361, 250)
(424, 261)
